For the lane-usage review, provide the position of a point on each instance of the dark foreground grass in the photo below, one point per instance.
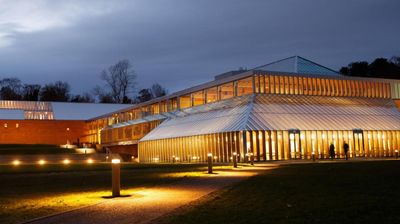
(30, 191)
(29, 149)
(357, 192)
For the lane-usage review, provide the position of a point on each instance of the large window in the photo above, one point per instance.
(245, 86)
(198, 98)
(226, 91)
(212, 95)
(185, 101)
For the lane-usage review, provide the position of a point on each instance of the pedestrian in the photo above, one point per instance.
(332, 151)
(346, 149)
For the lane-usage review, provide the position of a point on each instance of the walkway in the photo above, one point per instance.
(146, 205)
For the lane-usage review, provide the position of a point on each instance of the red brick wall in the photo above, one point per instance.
(40, 131)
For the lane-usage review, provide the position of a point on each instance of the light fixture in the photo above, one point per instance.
(66, 161)
(115, 161)
(90, 161)
(16, 162)
(41, 162)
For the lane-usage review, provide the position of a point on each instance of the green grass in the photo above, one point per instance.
(21, 149)
(29, 191)
(357, 192)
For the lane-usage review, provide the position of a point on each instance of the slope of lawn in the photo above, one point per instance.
(20, 149)
(354, 192)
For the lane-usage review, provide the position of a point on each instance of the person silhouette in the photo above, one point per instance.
(332, 151)
(346, 150)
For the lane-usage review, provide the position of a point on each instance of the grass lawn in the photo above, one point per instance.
(355, 192)
(29, 191)
(20, 149)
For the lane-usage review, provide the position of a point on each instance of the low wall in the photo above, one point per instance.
(55, 132)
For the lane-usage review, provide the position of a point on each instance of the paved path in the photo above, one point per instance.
(148, 204)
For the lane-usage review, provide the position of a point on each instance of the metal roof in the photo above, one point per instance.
(11, 114)
(282, 112)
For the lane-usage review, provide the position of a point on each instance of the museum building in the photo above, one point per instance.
(289, 109)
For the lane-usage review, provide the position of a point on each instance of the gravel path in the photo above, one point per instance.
(148, 204)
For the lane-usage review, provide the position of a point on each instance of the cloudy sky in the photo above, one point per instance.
(180, 43)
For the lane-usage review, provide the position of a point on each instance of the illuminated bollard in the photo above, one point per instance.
(251, 159)
(397, 153)
(313, 156)
(234, 160)
(173, 159)
(210, 163)
(116, 177)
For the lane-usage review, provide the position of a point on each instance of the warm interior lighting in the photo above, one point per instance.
(234, 153)
(66, 161)
(215, 157)
(41, 162)
(16, 162)
(115, 161)
(209, 154)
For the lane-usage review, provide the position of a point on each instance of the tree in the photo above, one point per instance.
(85, 98)
(31, 92)
(10, 89)
(157, 90)
(120, 81)
(379, 68)
(144, 95)
(58, 91)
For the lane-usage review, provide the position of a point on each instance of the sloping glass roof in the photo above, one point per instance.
(297, 64)
(283, 112)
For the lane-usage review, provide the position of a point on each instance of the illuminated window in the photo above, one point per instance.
(185, 101)
(198, 98)
(226, 91)
(211, 95)
(245, 86)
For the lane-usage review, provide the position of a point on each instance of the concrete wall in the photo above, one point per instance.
(40, 131)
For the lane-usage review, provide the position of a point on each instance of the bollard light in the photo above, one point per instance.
(16, 162)
(209, 158)
(66, 161)
(313, 156)
(234, 160)
(251, 159)
(397, 153)
(41, 162)
(116, 177)
(173, 159)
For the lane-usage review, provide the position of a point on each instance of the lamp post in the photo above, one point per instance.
(397, 153)
(313, 156)
(209, 159)
(116, 177)
(173, 159)
(251, 159)
(234, 160)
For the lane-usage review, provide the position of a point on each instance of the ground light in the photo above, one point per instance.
(116, 177)
(397, 153)
(41, 162)
(16, 162)
(90, 161)
(66, 161)
(210, 163)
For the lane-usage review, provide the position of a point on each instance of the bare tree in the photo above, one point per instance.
(157, 90)
(10, 89)
(120, 81)
(31, 92)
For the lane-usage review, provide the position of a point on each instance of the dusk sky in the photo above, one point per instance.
(181, 43)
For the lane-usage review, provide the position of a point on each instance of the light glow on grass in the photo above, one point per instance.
(89, 161)
(66, 161)
(42, 162)
(16, 162)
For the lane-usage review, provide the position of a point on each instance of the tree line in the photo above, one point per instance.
(379, 68)
(119, 86)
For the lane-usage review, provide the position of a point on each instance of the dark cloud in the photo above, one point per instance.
(182, 43)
